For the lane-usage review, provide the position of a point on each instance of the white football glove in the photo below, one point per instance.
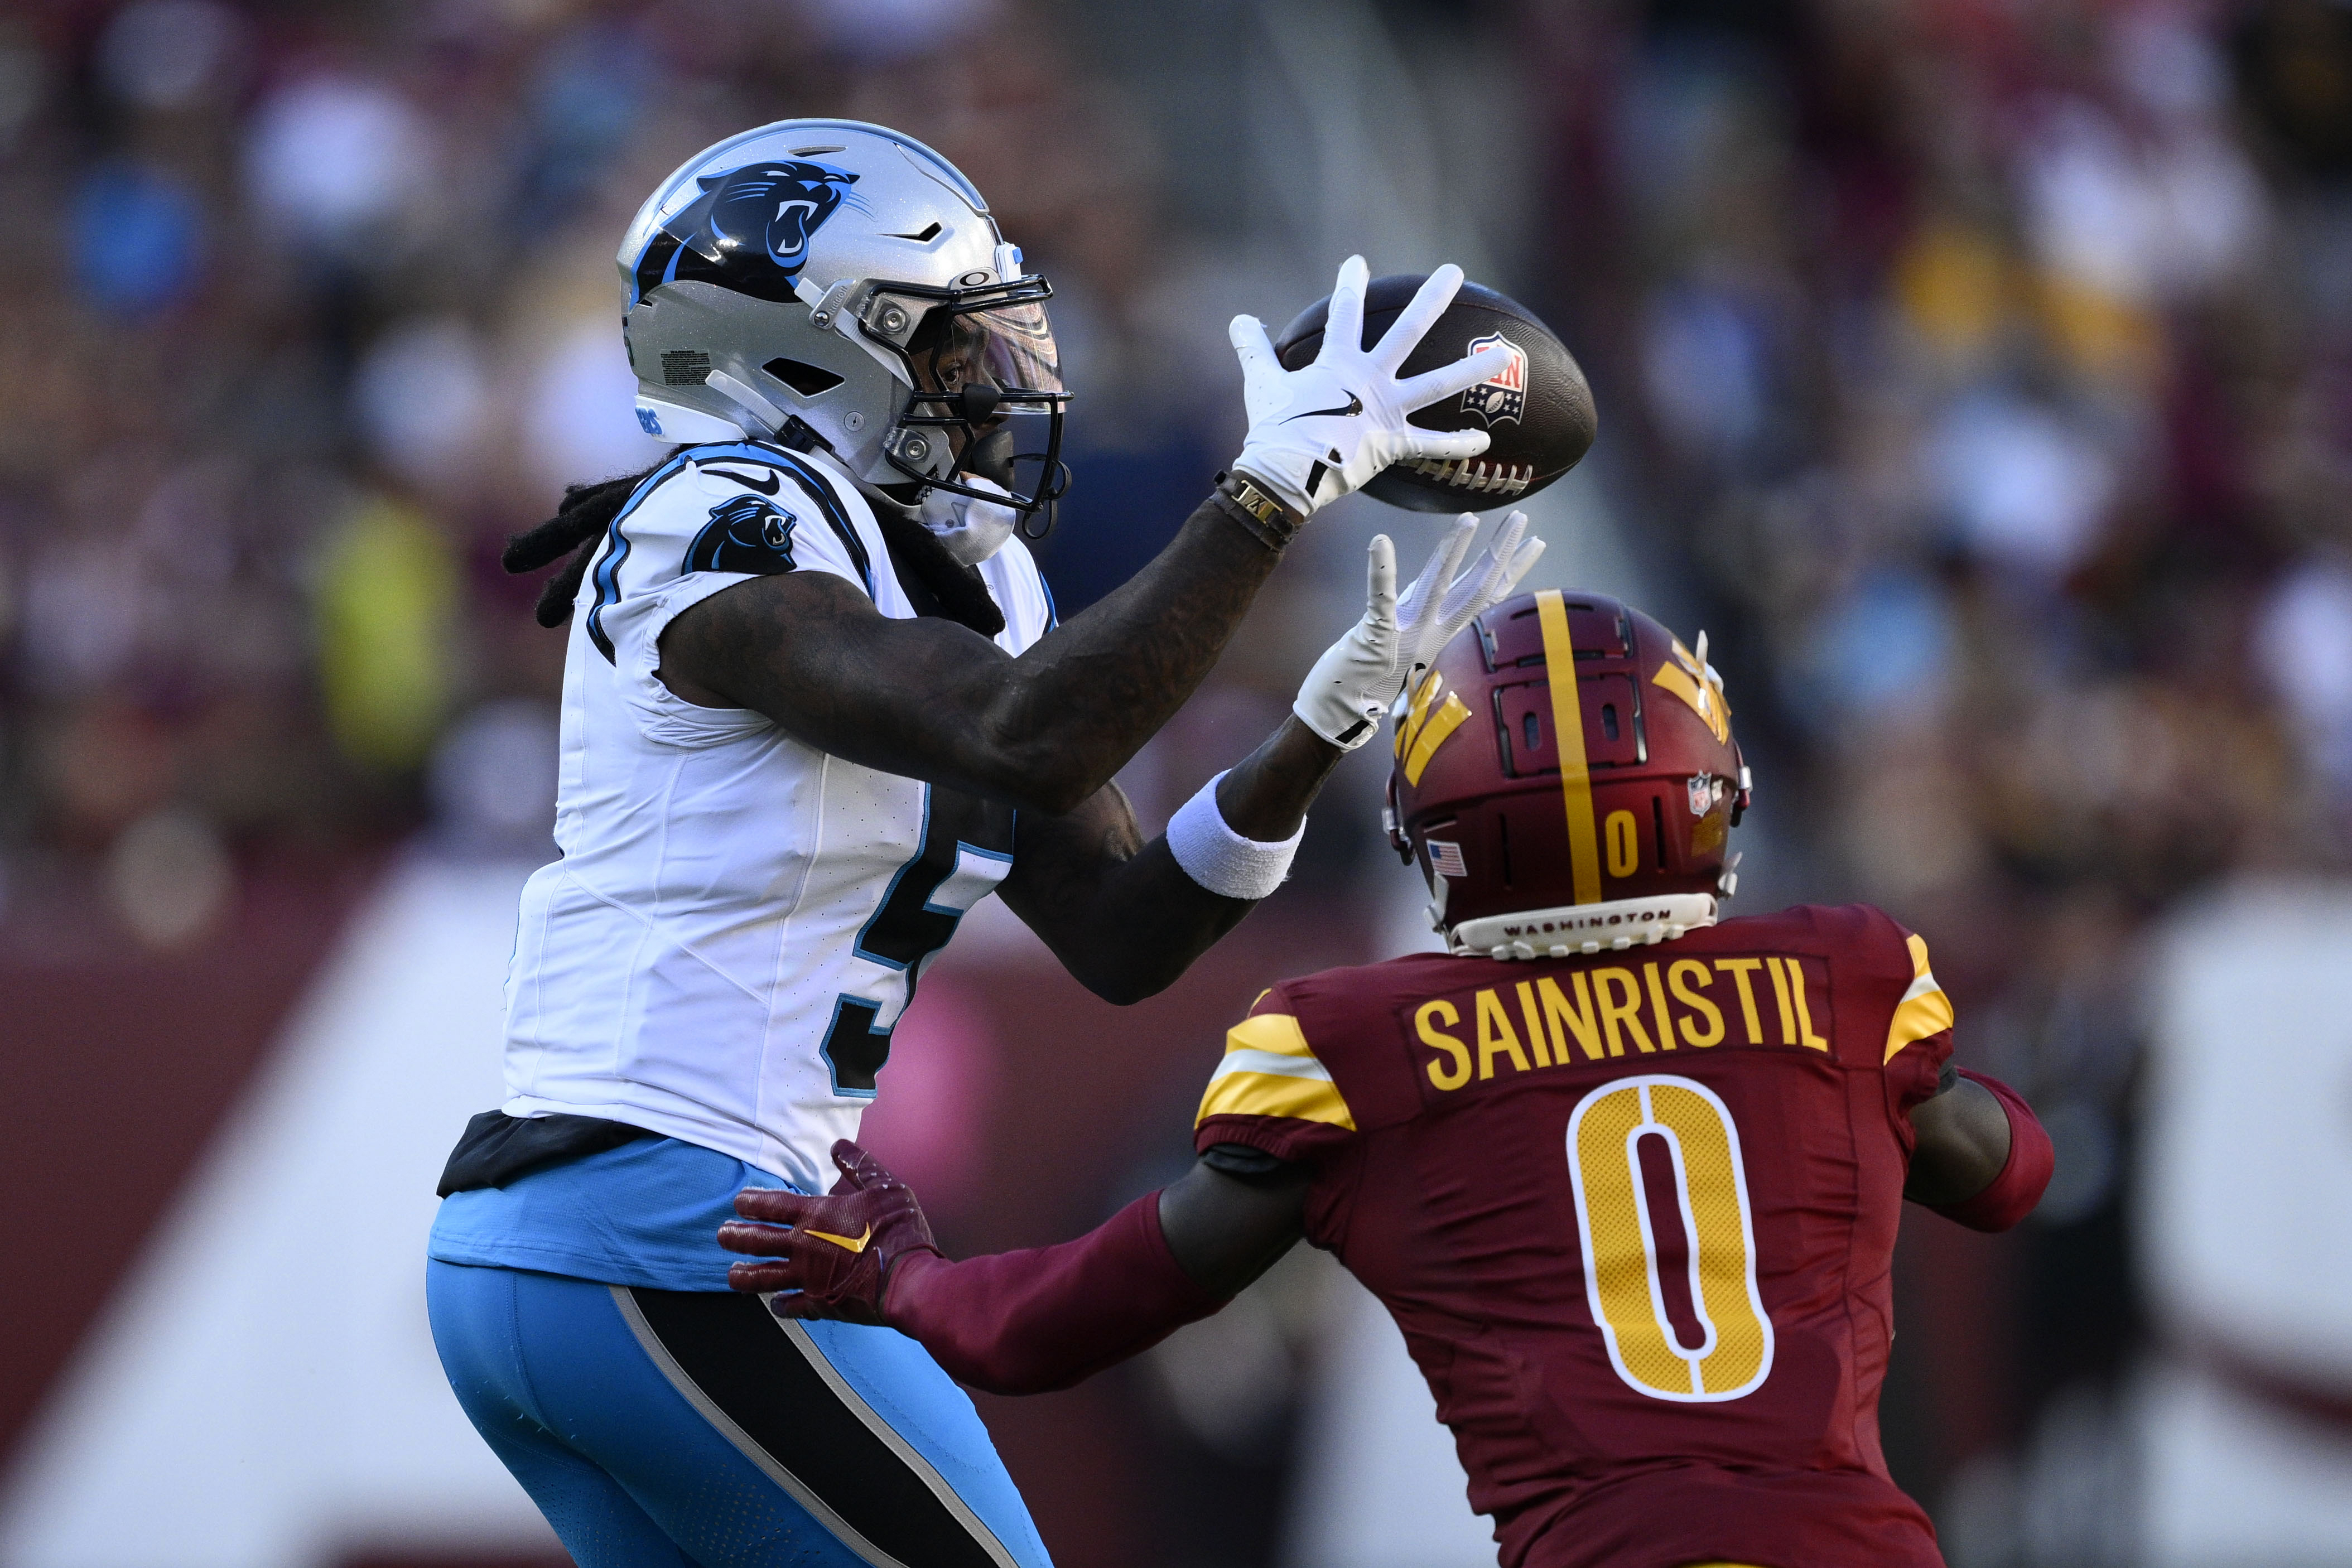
(1318, 433)
(1361, 676)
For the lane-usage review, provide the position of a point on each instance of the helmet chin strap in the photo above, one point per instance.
(971, 530)
(1582, 928)
(1439, 887)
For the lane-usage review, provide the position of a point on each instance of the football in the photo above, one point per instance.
(1537, 409)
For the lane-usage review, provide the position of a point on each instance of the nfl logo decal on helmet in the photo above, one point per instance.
(1501, 397)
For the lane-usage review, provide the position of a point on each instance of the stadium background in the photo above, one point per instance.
(1978, 372)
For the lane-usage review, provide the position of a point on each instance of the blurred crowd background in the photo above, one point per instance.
(1977, 373)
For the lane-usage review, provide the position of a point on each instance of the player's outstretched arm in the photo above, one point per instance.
(1015, 1323)
(1126, 917)
(1981, 1156)
(928, 699)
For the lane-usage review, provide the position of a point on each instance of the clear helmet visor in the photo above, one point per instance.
(1014, 345)
(982, 360)
(952, 344)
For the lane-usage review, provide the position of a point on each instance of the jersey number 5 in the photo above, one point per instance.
(911, 924)
(1669, 1243)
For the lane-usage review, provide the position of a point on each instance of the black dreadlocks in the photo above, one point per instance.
(587, 512)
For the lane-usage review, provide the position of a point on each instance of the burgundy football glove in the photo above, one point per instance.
(839, 1252)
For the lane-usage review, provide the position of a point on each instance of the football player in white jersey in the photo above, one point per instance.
(815, 705)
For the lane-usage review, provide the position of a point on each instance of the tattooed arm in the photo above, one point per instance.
(1122, 914)
(930, 699)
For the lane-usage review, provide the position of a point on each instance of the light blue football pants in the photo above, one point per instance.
(668, 1428)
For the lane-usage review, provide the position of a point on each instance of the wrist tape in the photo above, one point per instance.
(2011, 1195)
(1220, 859)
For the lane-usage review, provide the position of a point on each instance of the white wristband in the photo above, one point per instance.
(1220, 859)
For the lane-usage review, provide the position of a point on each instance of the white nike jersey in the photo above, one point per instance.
(738, 919)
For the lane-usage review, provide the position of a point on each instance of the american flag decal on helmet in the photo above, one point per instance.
(1501, 397)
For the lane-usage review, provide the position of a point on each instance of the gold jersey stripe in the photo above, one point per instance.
(1924, 1011)
(1269, 1070)
(1442, 723)
(1277, 1032)
(1568, 723)
(1300, 1098)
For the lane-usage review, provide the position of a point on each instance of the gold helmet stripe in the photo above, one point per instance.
(1434, 734)
(1568, 723)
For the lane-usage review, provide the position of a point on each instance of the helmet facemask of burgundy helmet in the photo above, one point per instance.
(1549, 825)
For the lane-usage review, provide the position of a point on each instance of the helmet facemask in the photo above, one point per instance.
(974, 357)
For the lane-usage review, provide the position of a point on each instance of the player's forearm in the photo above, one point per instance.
(1155, 919)
(1141, 926)
(1086, 698)
(1034, 1321)
(1127, 919)
(1266, 794)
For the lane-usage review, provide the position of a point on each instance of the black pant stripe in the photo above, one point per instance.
(890, 1436)
(774, 1396)
(625, 1299)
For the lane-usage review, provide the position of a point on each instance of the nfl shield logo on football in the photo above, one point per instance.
(1501, 397)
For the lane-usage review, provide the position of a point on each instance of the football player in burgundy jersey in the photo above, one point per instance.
(1627, 1177)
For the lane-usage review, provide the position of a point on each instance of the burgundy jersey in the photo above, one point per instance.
(1635, 1214)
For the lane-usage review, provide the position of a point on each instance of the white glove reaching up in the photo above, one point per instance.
(1318, 433)
(1359, 676)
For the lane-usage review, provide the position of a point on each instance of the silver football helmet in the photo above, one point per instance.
(832, 280)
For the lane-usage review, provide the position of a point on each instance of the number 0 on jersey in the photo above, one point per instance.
(1693, 1151)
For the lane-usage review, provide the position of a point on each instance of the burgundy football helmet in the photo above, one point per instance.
(1547, 825)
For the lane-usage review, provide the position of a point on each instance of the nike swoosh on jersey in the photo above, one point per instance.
(844, 1242)
(1355, 406)
(773, 485)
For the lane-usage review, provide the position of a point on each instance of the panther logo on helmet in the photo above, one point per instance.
(773, 209)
